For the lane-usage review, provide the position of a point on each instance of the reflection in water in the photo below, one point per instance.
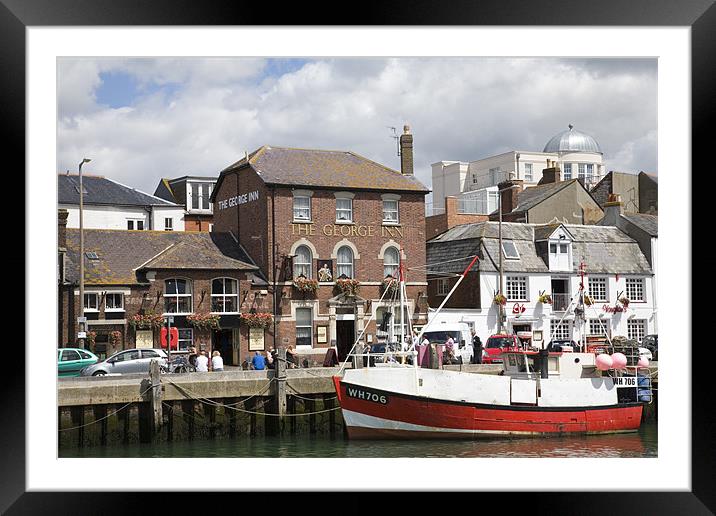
(641, 444)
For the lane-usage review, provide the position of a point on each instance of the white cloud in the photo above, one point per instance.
(459, 109)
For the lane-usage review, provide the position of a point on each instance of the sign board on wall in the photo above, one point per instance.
(144, 339)
(322, 334)
(256, 339)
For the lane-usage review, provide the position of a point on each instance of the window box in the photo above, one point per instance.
(146, 321)
(257, 319)
(303, 284)
(348, 286)
(204, 321)
(390, 284)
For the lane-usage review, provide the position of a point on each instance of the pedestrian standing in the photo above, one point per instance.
(476, 347)
(202, 363)
(269, 359)
(217, 363)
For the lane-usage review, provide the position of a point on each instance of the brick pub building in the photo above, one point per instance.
(323, 215)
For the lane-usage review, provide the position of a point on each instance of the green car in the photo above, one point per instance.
(70, 361)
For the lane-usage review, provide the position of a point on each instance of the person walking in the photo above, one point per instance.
(217, 363)
(259, 362)
(476, 347)
(202, 363)
(449, 350)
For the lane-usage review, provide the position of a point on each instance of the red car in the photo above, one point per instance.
(497, 344)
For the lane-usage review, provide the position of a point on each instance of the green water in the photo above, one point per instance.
(638, 444)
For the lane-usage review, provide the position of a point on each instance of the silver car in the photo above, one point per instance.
(126, 362)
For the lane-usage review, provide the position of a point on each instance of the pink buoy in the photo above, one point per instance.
(643, 362)
(604, 362)
(619, 361)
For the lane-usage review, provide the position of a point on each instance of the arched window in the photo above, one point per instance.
(344, 262)
(391, 261)
(225, 296)
(177, 296)
(302, 262)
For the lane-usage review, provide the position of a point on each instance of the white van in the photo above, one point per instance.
(438, 332)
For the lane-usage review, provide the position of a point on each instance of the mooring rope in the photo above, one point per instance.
(106, 416)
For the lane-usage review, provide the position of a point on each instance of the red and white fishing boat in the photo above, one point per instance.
(539, 393)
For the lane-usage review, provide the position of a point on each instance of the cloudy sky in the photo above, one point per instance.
(143, 119)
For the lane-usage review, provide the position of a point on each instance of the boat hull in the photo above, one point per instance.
(374, 414)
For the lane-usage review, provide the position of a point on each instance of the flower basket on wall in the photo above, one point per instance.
(115, 337)
(545, 298)
(390, 284)
(305, 285)
(588, 300)
(348, 286)
(146, 321)
(500, 300)
(257, 320)
(624, 301)
(203, 321)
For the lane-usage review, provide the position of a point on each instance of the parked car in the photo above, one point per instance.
(460, 333)
(127, 361)
(564, 345)
(70, 361)
(497, 344)
(651, 342)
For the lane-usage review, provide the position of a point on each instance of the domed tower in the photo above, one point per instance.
(579, 156)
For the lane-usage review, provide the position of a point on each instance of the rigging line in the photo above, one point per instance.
(108, 415)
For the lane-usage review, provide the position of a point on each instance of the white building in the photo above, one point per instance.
(544, 259)
(111, 205)
(577, 154)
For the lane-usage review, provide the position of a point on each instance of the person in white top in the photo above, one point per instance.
(202, 363)
(217, 363)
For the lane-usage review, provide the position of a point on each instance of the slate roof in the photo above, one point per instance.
(164, 190)
(324, 168)
(605, 249)
(125, 255)
(100, 190)
(646, 222)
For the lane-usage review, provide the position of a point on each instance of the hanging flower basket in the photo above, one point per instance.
(146, 321)
(499, 299)
(115, 337)
(203, 321)
(588, 300)
(348, 286)
(91, 337)
(257, 320)
(303, 284)
(545, 299)
(390, 284)
(624, 301)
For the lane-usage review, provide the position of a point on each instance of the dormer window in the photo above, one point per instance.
(199, 194)
(560, 252)
(509, 250)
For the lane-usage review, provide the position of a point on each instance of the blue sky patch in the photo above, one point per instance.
(120, 89)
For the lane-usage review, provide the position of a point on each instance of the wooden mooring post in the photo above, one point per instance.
(155, 399)
(281, 389)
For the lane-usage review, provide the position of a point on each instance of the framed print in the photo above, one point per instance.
(132, 93)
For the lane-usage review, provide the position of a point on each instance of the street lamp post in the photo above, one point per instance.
(82, 263)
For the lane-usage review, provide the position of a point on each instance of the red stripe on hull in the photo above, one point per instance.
(487, 420)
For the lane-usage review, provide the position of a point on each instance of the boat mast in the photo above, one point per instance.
(401, 285)
(582, 337)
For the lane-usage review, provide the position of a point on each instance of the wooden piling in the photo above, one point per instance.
(100, 414)
(155, 398)
(281, 389)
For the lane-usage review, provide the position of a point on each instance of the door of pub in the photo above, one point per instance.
(345, 336)
(222, 340)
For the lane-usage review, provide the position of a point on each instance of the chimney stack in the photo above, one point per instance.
(552, 174)
(613, 209)
(406, 151)
(62, 228)
(509, 193)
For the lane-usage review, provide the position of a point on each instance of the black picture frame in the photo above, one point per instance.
(699, 15)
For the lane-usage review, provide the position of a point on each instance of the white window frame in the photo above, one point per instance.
(443, 286)
(598, 327)
(634, 286)
(307, 266)
(391, 268)
(637, 328)
(582, 170)
(296, 208)
(528, 172)
(190, 295)
(223, 295)
(516, 285)
(345, 264)
(344, 210)
(564, 332)
(602, 291)
(504, 253)
(590, 171)
(304, 327)
(388, 211)
(168, 224)
(567, 171)
(121, 302)
(89, 295)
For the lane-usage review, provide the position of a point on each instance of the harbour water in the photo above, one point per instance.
(643, 443)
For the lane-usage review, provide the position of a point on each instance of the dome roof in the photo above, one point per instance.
(572, 141)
